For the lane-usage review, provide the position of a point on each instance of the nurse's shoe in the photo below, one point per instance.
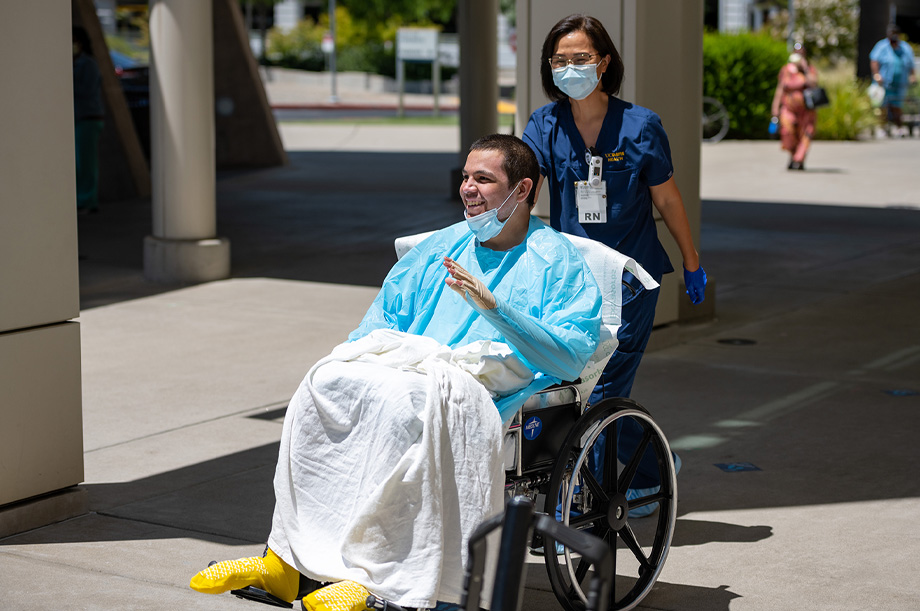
(269, 573)
(637, 493)
(339, 596)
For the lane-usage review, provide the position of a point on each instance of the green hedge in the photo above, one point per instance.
(740, 70)
(849, 113)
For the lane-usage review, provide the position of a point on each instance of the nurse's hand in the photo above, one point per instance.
(696, 285)
(467, 285)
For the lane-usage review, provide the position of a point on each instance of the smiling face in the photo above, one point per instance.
(485, 184)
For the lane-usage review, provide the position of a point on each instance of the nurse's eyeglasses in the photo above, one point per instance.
(579, 59)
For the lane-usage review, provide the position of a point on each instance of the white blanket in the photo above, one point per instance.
(390, 457)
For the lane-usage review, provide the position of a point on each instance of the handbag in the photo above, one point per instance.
(815, 97)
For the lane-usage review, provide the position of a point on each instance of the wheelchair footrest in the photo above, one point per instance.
(261, 596)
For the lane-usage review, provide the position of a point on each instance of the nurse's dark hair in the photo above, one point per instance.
(612, 78)
(80, 35)
(519, 163)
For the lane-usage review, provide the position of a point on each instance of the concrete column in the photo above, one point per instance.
(184, 247)
(41, 418)
(477, 25)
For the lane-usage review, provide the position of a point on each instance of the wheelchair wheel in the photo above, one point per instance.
(594, 499)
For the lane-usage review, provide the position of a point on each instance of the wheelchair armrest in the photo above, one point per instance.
(559, 385)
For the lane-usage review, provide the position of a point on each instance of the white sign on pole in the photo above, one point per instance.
(449, 50)
(416, 44)
(328, 44)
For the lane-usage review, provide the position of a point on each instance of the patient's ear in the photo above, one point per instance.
(524, 189)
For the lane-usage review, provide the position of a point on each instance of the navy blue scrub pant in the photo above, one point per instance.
(638, 314)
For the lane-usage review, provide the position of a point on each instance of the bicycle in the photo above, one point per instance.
(715, 120)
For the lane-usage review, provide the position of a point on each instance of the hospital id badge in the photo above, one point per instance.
(591, 202)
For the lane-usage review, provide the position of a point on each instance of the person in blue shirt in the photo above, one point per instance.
(892, 63)
(368, 439)
(607, 164)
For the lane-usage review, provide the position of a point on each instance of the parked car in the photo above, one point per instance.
(135, 83)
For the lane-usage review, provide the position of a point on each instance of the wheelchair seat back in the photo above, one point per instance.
(536, 433)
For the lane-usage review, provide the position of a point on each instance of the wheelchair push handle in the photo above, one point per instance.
(519, 523)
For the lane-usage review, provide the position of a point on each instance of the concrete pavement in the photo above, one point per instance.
(185, 387)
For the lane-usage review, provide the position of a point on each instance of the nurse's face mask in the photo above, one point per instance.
(577, 82)
(486, 225)
(576, 75)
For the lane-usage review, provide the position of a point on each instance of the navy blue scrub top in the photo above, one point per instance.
(636, 155)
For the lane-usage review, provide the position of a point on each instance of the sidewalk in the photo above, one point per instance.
(185, 388)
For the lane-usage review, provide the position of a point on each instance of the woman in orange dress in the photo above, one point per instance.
(796, 121)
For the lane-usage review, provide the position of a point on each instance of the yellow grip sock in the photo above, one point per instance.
(339, 596)
(270, 573)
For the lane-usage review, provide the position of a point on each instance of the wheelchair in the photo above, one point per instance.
(562, 454)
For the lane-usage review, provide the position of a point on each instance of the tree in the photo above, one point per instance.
(827, 28)
(407, 11)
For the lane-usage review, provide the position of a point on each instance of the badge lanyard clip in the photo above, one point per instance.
(591, 194)
(595, 167)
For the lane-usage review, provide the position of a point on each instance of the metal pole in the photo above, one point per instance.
(401, 86)
(436, 84)
(790, 42)
(334, 98)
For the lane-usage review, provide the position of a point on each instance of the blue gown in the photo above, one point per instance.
(548, 304)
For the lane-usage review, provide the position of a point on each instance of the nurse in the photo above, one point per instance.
(607, 164)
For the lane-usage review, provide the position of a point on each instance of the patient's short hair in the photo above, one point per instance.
(520, 162)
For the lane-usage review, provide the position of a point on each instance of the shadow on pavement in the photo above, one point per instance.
(699, 532)
(326, 217)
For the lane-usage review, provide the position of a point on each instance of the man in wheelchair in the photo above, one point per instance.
(391, 449)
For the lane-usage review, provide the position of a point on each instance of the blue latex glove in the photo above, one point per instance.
(696, 285)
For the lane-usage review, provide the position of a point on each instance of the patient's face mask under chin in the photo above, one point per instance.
(486, 226)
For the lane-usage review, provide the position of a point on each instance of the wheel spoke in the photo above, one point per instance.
(610, 538)
(629, 538)
(647, 500)
(595, 487)
(629, 472)
(583, 520)
(610, 460)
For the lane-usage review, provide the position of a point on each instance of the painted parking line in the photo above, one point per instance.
(790, 403)
(757, 416)
(891, 362)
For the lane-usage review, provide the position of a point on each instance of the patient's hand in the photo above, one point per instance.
(468, 285)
